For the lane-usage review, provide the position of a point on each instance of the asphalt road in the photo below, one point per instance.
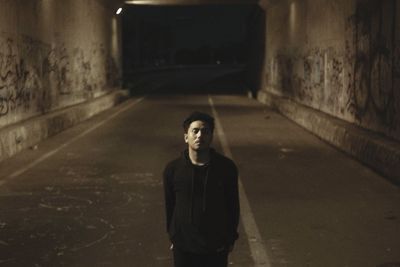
(92, 195)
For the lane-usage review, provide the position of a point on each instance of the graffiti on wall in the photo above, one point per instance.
(285, 70)
(303, 77)
(37, 77)
(312, 77)
(356, 77)
(19, 81)
(334, 82)
(32, 75)
(57, 66)
(374, 45)
(112, 72)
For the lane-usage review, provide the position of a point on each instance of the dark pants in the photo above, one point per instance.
(187, 259)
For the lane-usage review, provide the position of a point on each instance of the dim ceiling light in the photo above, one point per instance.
(119, 11)
(140, 2)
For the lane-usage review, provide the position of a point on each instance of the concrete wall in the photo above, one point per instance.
(54, 54)
(341, 59)
(59, 61)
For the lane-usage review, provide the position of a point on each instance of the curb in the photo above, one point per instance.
(380, 153)
(19, 136)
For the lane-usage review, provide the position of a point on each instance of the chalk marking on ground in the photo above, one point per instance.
(54, 151)
(256, 244)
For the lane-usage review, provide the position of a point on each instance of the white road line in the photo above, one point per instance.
(54, 151)
(256, 244)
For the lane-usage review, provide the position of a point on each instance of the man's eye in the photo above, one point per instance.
(204, 131)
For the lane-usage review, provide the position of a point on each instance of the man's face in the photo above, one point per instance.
(198, 136)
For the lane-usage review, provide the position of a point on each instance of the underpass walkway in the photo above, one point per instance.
(92, 195)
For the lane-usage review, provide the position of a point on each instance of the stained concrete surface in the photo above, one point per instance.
(28, 133)
(98, 201)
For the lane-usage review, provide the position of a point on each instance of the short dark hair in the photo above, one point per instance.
(198, 116)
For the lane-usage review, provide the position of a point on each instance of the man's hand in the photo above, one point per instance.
(171, 247)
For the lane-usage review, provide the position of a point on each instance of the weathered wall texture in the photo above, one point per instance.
(54, 54)
(340, 57)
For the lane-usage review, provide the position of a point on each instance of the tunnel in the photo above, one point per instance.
(306, 104)
(226, 40)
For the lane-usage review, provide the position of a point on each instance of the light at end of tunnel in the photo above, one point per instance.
(119, 11)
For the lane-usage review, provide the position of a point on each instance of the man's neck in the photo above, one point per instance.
(199, 158)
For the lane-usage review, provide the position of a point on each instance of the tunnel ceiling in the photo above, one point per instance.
(111, 3)
(190, 2)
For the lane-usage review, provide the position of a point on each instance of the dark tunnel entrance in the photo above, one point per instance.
(193, 49)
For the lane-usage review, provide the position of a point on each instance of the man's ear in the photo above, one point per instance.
(185, 136)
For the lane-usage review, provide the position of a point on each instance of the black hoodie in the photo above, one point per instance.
(202, 203)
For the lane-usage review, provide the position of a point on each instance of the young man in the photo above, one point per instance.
(201, 198)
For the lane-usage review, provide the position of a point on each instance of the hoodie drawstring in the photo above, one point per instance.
(186, 156)
(192, 198)
(204, 193)
(205, 189)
